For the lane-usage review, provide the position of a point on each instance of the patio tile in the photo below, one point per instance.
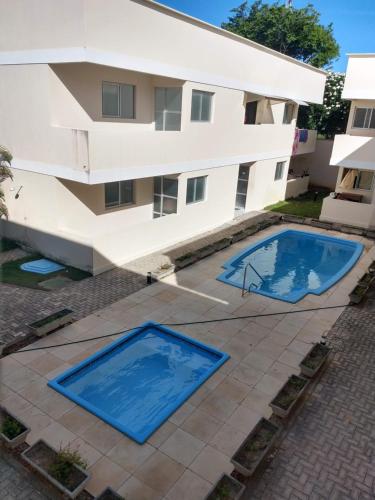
(291, 358)
(199, 395)
(182, 447)
(55, 435)
(26, 357)
(247, 374)
(269, 348)
(129, 454)
(34, 390)
(218, 406)
(300, 347)
(210, 464)
(237, 348)
(189, 487)
(77, 420)
(137, 490)
(227, 439)
(162, 434)
(101, 436)
(270, 385)
(232, 388)
(19, 378)
(281, 370)
(258, 361)
(53, 404)
(180, 415)
(201, 425)
(45, 363)
(244, 419)
(105, 472)
(86, 451)
(8, 365)
(15, 403)
(160, 472)
(258, 402)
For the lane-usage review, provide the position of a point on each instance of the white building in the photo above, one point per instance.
(134, 126)
(354, 152)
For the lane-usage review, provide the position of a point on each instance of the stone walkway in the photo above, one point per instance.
(329, 451)
(17, 484)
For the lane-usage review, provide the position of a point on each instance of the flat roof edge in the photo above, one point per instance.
(228, 34)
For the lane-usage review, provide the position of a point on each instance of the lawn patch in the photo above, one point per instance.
(11, 273)
(304, 206)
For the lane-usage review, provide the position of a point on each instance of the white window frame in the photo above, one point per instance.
(119, 85)
(162, 195)
(165, 111)
(194, 179)
(368, 118)
(279, 175)
(108, 206)
(200, 92)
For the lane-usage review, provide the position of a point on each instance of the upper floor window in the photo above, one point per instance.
(168, 102)
(251, 112)
(364, 118)
(288, 113)
(201, 106)
(118, 100)
(196, 189)
(279, 172)
(119, 193)
(165, 196)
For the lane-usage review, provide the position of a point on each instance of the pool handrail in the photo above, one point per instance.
(244, 277)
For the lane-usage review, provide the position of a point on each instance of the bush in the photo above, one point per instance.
(11, 428)
(63, 465)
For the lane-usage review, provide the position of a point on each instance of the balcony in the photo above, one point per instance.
(348, 212)
(354, 151)
(306, 142)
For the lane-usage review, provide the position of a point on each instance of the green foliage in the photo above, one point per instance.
(11, 428)
(331, 117)
(5, 173)
(304, 206)
(295, 32)
(63, 465)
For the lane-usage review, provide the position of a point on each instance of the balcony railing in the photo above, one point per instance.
(305, 141)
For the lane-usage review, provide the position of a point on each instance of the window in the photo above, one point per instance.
(288, 113)
(118, 100)
(196, 189)
(279, 172)
(168, 108)
(251, 112)
(119, 193)
(165, 196)
(364, 118)
(201, 104)
(357, 179)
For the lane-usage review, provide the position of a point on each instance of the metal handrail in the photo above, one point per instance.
(244, 276)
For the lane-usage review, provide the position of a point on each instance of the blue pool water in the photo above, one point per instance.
(292, 264)
(137, 382)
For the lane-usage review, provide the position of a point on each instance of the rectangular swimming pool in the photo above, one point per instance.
(138, 381)
(290, 264)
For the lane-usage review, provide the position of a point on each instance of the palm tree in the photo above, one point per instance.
(5, 173)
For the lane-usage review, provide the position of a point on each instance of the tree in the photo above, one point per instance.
(5, 173)
(295, 32)
(329, 118)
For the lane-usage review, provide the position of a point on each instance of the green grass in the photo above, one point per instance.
(6, 245)
(304, 206)
(11, 273)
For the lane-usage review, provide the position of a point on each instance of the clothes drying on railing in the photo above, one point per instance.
(303, 135)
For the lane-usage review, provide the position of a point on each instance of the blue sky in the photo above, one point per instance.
(353, 20)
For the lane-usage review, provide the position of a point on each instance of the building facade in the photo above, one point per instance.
(134, 127)
(353, 201)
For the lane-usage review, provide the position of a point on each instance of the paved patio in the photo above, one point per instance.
(329, 452)
(189, 452)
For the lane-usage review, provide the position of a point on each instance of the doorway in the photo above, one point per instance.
(241, 193)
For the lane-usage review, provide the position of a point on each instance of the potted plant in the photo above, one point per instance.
(366, 280)
(109, 494)
(293, 218)
(186, 260)
(358, 293)
(255, 447)
(314, 360)
(227, 488)
(51, 322)
(65, 469)
(321, 224)
(288, 395)
(13, 431)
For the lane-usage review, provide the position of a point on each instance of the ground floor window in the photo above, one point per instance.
(119, 193)
(357, 179)
(165, 196)
(196, 189)
(279, 172)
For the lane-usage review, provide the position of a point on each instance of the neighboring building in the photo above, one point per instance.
(134, 127)
(354, 152)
